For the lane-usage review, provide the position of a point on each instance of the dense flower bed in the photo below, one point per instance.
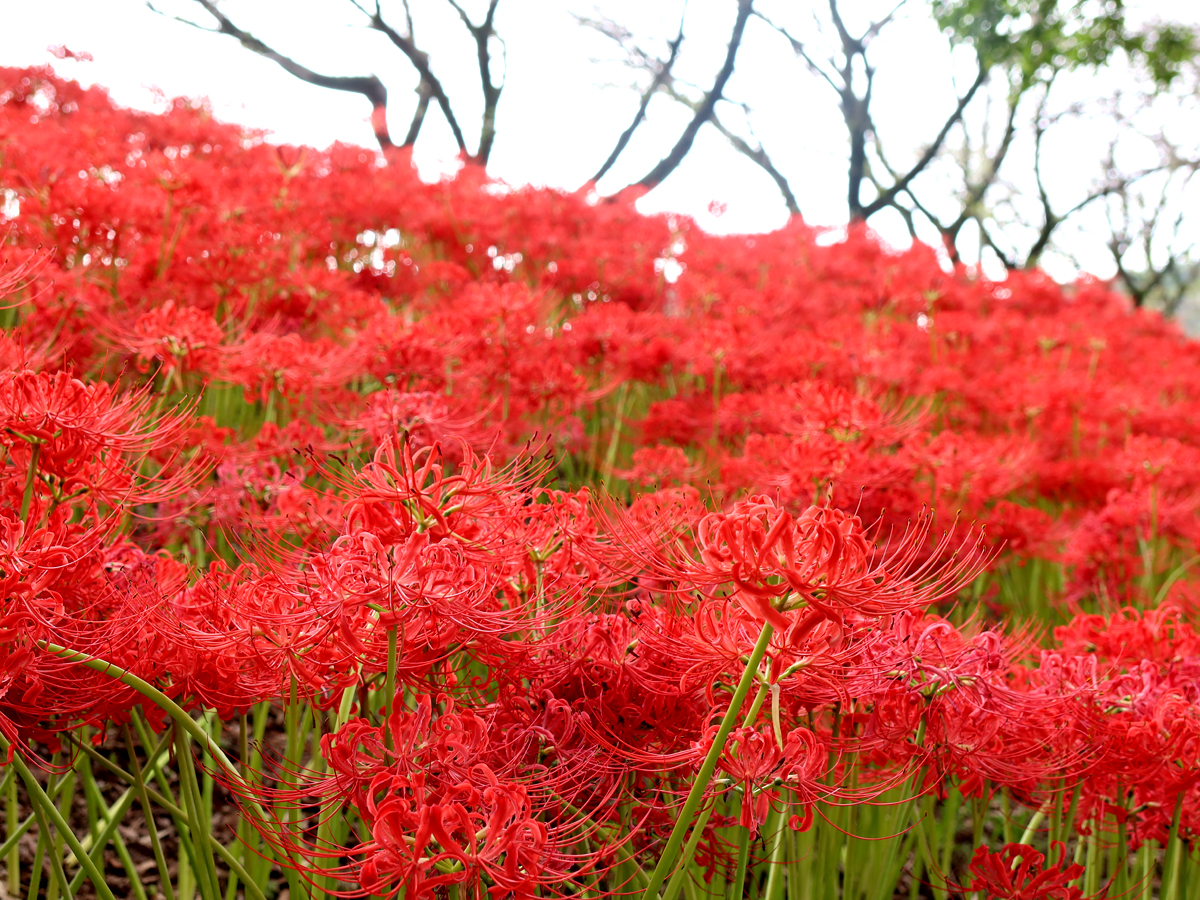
(483, 540)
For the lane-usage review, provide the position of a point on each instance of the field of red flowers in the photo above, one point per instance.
(363, 536)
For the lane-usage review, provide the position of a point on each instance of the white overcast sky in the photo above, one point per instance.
(561, 110)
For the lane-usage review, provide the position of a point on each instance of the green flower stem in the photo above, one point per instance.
(39, 852)
(65, 802)
(774, 889)
(13, 830)
(1091, 872)
(1173, 858)
(35, 454)
(160, 860)
(738, 884)
(40, 800)
(929, 861)
(184, 881)
(756, 704)
(171, 708)
(13, 839)
(1031, 829)
(1069, 825)
(666, 862)
(56, 867)
(112, 816)
(172, 809)
(294, 751)
(389, 687)
(189, 789)
(683, 871)
(39, 860)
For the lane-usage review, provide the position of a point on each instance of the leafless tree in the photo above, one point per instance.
(485, 37)
(962, 185)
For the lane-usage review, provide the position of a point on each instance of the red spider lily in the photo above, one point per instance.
(437, 788)
(1018, 872)
(90, 439)
(382, 355)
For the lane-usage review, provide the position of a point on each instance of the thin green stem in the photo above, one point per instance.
(38, 798)
(666, 862)
(164, 878)
(35, 455)
(12, 852)
(682, 872)
(189, 789)
(738, 884)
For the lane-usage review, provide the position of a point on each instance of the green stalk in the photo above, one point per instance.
(389, 687)
(1147, 857)
(30, 478)
(1031, 829)
(1056, 815)
(850, 865)
(65, 802)
(1091, 872)
(171, 708)
(1173, 858)
(11, 813)
(1006, 813)
(112, 816)
(1119, 874)
(56, 868)
(164, 878)
(293, 750)
(259, 862)
(755, 705)
(950, 815)
(682, 873)
(39, 800)
(666, 862)
(207, 785)
(830, 848)
(39, 858)
(172, 809)
(799, 882)
(231, 883)
(774, 887)
(13, 839)
(185, 886)
(925, 850)
(738, 884)
(979, 807)
(614, 443)
(189, 789)
(1069, 827)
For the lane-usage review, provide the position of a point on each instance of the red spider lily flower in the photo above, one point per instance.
(1018, 872)
(173, 338)
(91, 439)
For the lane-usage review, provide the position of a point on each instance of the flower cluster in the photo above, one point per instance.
(508, 560)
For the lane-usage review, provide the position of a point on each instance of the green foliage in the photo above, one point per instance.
(1040, 37)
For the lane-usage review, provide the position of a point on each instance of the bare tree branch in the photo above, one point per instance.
(420, 61)
(704, 111)
(759, 156)
(483, 33)
(369, 86)
(987, 240)
(423, 94)
(886, 198)
(800, 50)
(661, 77)
(756, 154)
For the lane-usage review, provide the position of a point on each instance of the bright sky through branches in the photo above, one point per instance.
(562, 110)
